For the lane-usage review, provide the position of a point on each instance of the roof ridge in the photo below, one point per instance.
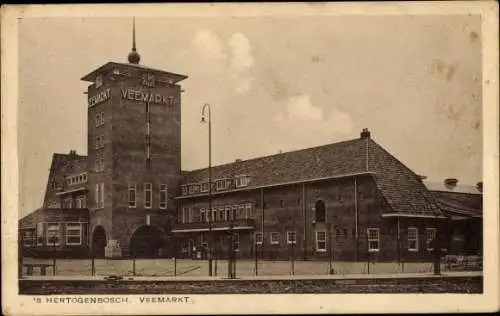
(278, 154)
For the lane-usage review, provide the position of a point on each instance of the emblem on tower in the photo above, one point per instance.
(148, 80)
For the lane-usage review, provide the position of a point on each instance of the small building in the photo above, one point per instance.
(463, 206)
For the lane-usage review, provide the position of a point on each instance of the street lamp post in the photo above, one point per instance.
(206, 108)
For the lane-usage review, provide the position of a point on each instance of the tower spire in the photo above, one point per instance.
(133, 56)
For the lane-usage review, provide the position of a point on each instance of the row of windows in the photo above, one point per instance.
(191, 244)
(274, 238)
(99, 119)
(217, 185)
(413, 244)
(52, 235)
(99, 195)
(77, 179)
(220, 213)
(79, 202)
(148, 195)
(373, 237)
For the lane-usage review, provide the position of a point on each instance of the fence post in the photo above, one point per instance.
(133, 264)
(368, 253)
(293, 258)
(92, 268)
(175, 265)
(54, 256)
(256, 258)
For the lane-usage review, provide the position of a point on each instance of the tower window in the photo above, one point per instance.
(102, 195)
(163, 196)
(148, 195)
(131, 195)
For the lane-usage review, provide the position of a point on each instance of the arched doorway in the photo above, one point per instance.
(320, 211)
(98, 242)
(146, 242)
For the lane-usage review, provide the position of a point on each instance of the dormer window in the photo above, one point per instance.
(184, 190)
(204, 187)
(194, 188)
(222, 184)
(242, 181)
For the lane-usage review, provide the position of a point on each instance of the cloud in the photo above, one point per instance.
(241, 57)
(300, 114)
(209, 45)
(241, 62)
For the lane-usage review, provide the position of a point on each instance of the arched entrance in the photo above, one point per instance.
(146, 242)
(98, 242)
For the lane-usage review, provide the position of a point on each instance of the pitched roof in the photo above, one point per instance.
(63, 165)
(401, 187)
(461, 204)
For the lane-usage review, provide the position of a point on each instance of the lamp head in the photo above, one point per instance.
(203, 120)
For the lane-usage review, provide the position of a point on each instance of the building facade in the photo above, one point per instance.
(128, 197)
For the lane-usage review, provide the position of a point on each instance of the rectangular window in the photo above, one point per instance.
(222, 214)
(185, 215)
(430, 234)
(236, 242)
(79, 202)
(248, 210)
(202, 215)
(163, 196)
(102, 195)
(96, 195)
(102, 118)
(275, 238)
(234, 213)
(320, 241)
(73, 234)
(29, 237)
(68, 203)
(258, 238)
(227, 215)
(222, 184)
(132, 202)
(148, 195)
(214, 214)
(242, 181)
(98, 119)
(291, 237)
(373, 239)
(53, 234)
(184, 190)
(413, 239)
(242, 212)
(40, 234)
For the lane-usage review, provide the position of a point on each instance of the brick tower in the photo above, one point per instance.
(134, 157)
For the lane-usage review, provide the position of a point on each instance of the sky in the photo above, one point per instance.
(274, 84)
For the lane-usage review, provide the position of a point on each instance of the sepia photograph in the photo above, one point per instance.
(222, 151)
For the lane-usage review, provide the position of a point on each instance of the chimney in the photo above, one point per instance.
(421, 178)
(479, 186)
(365, 133)
(450, 183)
(237, 160)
